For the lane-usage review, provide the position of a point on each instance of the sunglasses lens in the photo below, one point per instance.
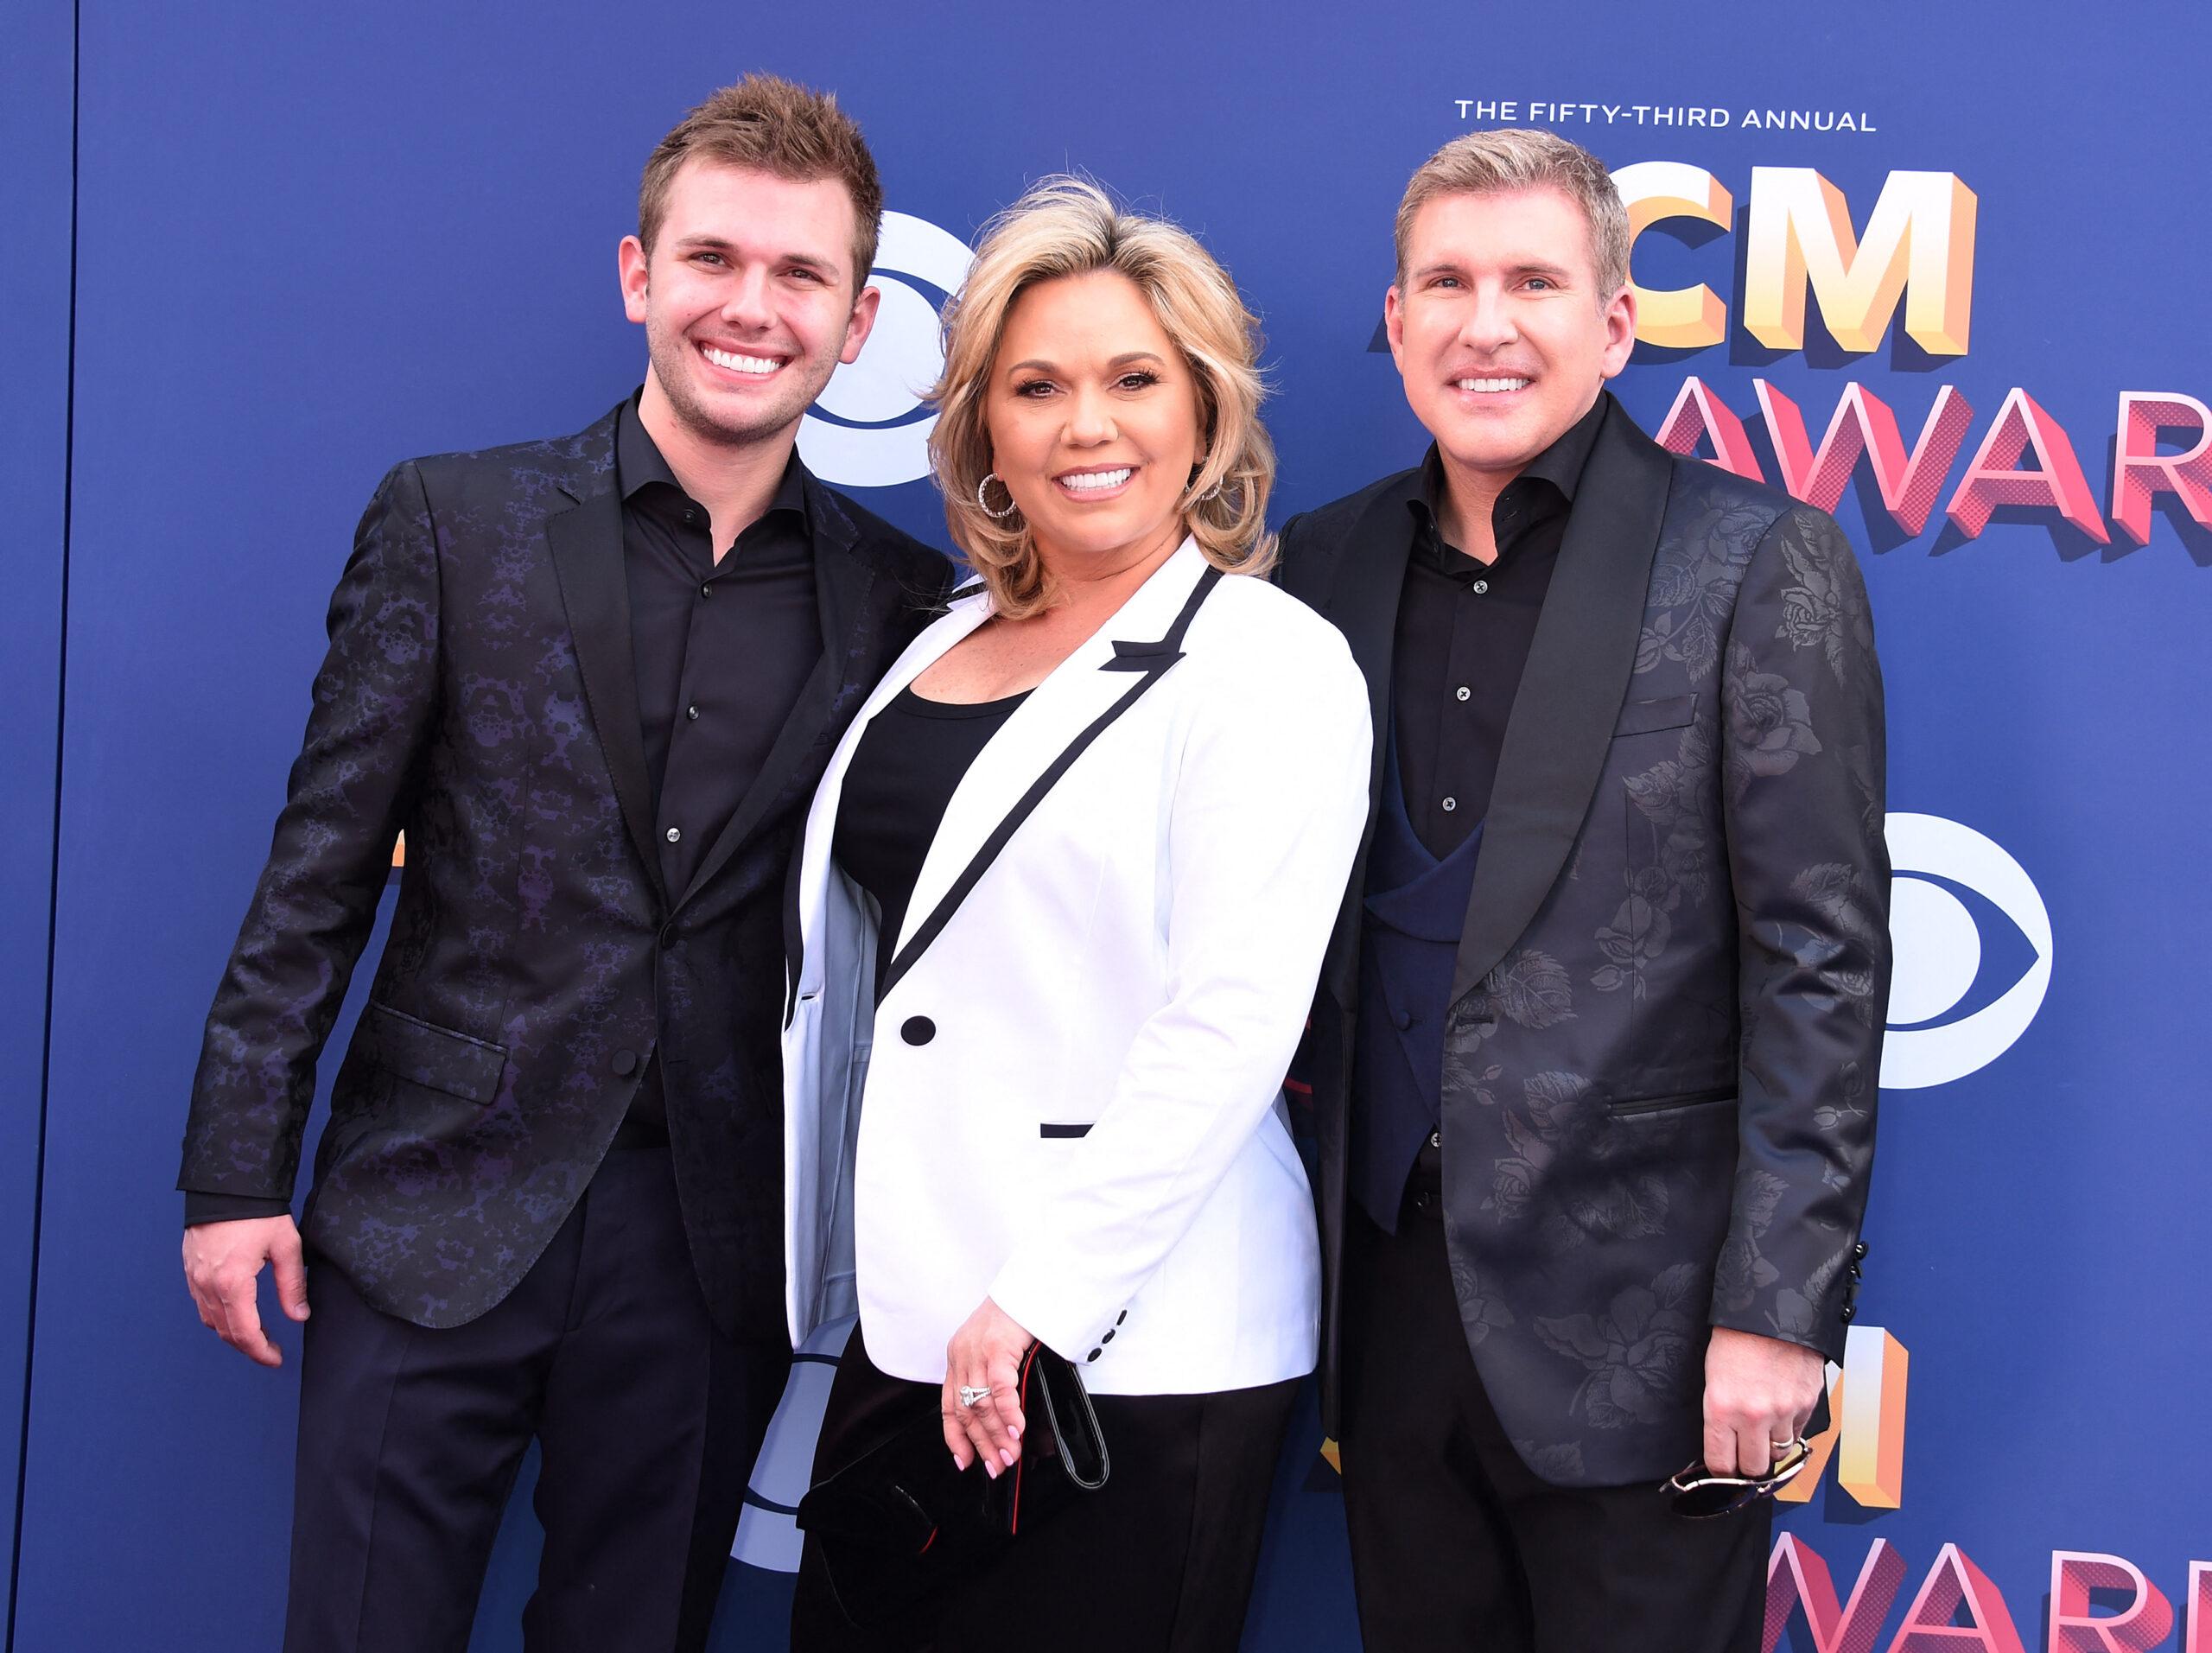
(1702, 1498)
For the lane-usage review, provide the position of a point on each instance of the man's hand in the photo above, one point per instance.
(1758, 1394)
(985, 1353)
(222, 1261)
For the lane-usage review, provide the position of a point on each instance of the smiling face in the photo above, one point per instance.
(1498, 328)
(1094, 421)
(747, 299)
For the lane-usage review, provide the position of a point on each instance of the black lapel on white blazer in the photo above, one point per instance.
(1580, 663)
(1149, 661)
(587, 545)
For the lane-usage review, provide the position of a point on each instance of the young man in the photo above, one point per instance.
(593, 680)
(1594, 1062)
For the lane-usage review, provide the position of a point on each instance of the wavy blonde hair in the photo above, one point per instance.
(1070, 227)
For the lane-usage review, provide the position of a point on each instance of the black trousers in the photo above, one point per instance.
(1455, 1542)
(648, 1420)
(1160, 1560)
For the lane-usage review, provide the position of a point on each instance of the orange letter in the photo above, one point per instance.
(1863, 424)
(2139, 470)
(1681, 318)
(1697, 412)
(1796, 1575)
(1953, 1581)
(2056, 482)
(1919, 242)
(2140, 1625)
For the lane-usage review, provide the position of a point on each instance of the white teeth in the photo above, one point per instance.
(1094, 481)
(739, 363)
(1493, 385)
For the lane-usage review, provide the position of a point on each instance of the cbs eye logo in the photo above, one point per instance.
(869, 430)
(1965, 917)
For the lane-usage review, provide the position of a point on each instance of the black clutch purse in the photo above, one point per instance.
(900, 1523)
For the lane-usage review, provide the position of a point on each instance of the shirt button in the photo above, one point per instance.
(1480, 587)
(676, 835)
(692, 712)
(690, 514)
(1462, 692)
(706, 590)
(1450, 805)
(1436, 1139)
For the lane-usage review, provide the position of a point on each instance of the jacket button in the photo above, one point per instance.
(1108, 1338)
(918, 1030)
(668, 935)
(625, 1064)
(1859, 1252)
(1436, 1139)
(1403, 1017)
(1094, 1354)
(1122, 1316)
(1848, 1311)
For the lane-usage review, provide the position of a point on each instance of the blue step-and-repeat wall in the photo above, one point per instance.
(1940, 269)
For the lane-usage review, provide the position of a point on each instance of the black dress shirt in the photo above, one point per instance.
(1464, 632)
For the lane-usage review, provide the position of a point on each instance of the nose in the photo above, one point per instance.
(1091, 418)
(746, 304)
(1489, 323)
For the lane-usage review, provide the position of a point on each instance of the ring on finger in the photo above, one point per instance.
(971, 1396)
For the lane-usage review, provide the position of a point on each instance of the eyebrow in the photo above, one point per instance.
(1121, 360)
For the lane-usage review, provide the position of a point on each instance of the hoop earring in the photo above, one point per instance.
(984, 504)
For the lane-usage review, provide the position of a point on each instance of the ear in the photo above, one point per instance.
(1620, 331)
(860, 324)
(630, 266)
(1394, 326)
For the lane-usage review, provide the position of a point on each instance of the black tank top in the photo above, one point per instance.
(902, 777)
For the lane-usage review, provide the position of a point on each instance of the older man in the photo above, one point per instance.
(1595, 1054)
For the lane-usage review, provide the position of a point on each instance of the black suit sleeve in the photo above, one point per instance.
(375, 704)
(1802, 777)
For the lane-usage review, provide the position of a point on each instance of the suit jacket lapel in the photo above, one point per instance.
(842, 580)
(1360, 595)
(587, 545)
(1580, 663)
(1081, 689)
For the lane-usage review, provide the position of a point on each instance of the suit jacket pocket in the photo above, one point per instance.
(1650, 717)
(1711, 1097)
(427, 1054)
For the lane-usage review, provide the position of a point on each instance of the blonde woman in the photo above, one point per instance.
(1061, 905)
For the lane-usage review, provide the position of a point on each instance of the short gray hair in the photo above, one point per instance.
(1520, 157)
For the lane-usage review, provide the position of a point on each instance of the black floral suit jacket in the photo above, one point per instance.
(480, 694)
(1661, 1054)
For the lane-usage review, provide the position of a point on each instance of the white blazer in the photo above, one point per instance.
(1069, 1102)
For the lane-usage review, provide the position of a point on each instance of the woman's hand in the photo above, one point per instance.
(985, 1354)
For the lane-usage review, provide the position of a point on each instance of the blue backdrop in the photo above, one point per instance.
(308, 241)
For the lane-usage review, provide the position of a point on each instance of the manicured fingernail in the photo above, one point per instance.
(1007, 1458)
(990, 1469)
(1014, 1429)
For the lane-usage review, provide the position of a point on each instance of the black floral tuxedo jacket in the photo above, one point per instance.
(1665, 1028)
(480, 694)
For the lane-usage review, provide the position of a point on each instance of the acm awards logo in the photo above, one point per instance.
(1917, 250)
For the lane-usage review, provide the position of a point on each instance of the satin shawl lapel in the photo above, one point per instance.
(1359, 594)
(586, 540)
(1058, 710)
(1580, 663)
(842, 579)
